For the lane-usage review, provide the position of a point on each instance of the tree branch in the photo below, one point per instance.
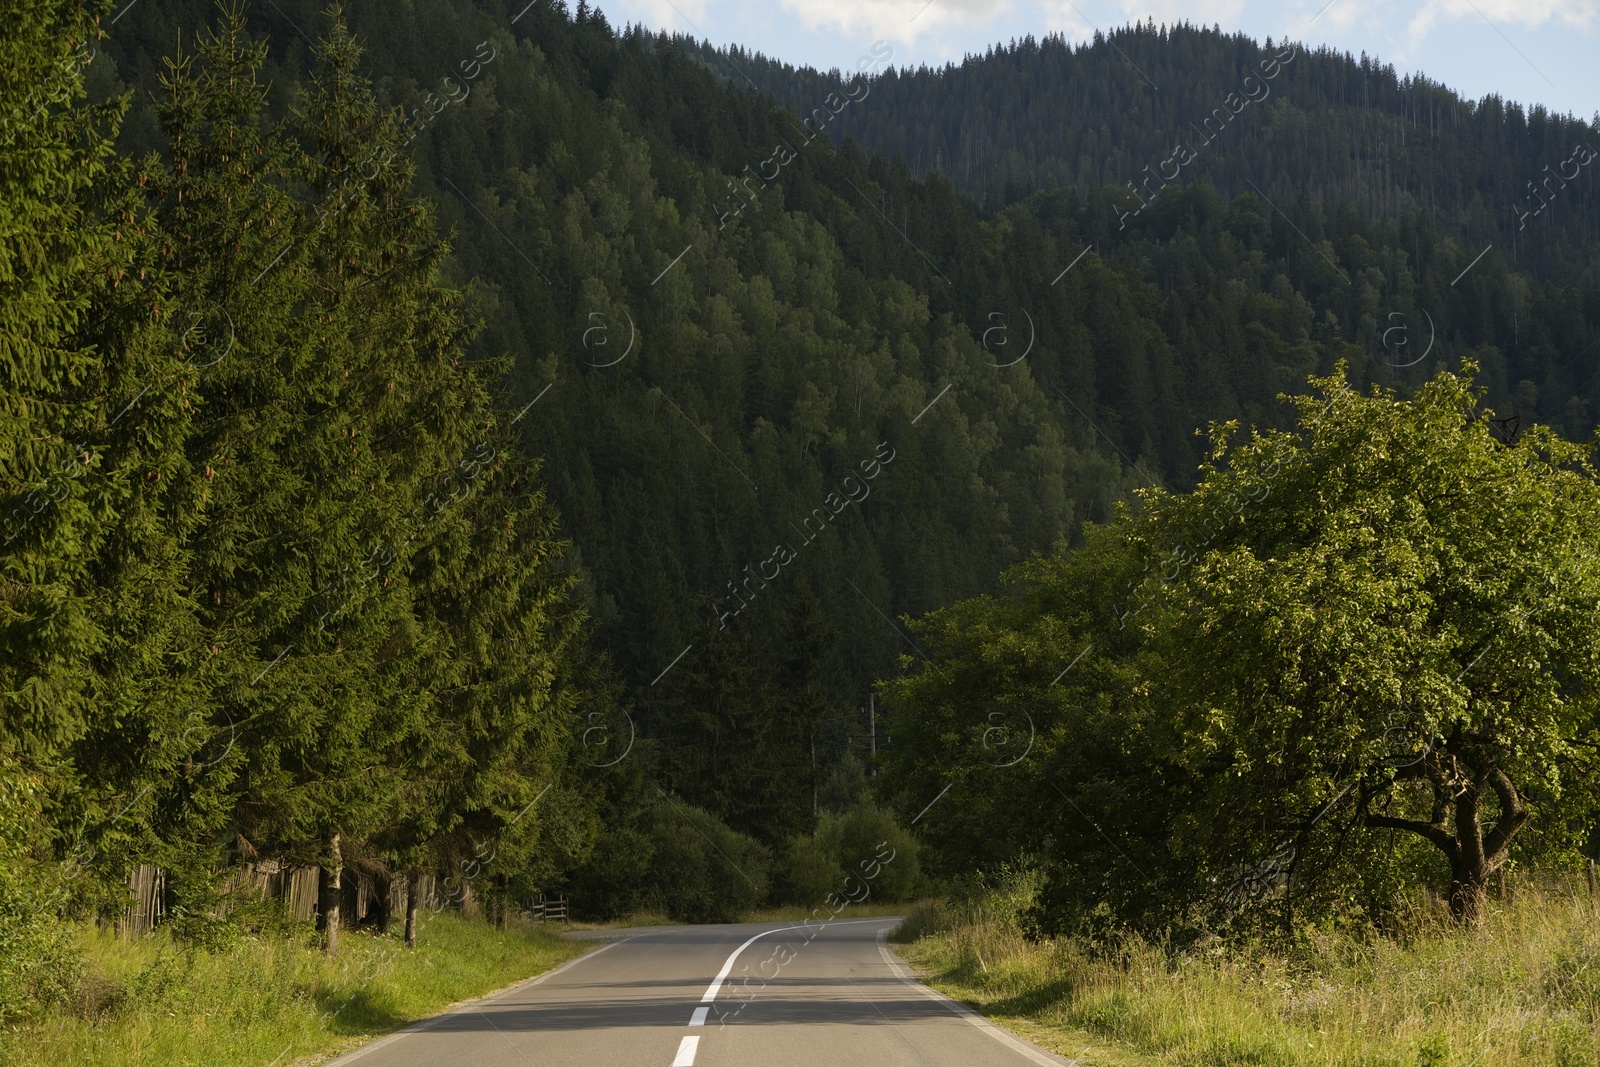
(1513, 813)
(1434, 832)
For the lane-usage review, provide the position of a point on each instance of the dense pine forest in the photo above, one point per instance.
(474, 440)
(1275, 120)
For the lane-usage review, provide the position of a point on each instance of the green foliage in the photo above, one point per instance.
(806, 871)
(1380, 623)
(859, 855)
(39, 964)
(846, 786)
(53, 257)
(614, 880)
(1434, 1051)
(872, 848)
(294, 581)
(1408, 620)
(700, 870)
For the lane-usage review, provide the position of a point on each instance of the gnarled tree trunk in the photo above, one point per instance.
(1469, 867)
(1459, 779)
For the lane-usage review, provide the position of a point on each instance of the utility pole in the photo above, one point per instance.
(872, 719)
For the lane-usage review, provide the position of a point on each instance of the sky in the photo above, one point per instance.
(1533, 51)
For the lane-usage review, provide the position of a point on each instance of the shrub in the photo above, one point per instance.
(39, 965)
(806, 872)
(859, 840)
(613, 881)
(700, 870)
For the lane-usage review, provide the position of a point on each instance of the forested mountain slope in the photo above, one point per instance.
(786, 392)
(1319, 123)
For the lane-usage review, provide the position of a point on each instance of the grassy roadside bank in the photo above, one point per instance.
(271, 1000)
(1523, 990)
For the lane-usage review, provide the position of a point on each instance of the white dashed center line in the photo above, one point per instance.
(687, 1047)
(686, 1050)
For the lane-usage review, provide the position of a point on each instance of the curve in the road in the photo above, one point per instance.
(829, 993)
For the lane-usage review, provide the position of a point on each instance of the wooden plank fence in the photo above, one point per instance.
(548, 910)
(148, 907)
(296, 888)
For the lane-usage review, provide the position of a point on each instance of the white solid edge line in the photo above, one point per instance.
(425, 1024)
(727, 967)
(699, 1016)
(1014, 1043)
(686, 1050)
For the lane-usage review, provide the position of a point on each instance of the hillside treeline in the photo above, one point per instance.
(1280, 119)
(793, 308)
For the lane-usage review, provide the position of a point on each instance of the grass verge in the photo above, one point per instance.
(271, 1000)
(1522, 990)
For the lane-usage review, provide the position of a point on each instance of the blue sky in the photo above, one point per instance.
(1534, 51)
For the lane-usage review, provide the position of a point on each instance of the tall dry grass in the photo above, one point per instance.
(1523, 989)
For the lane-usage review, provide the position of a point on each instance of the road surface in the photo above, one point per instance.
(753, 995)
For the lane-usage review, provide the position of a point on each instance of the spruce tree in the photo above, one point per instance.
(53, 159)
(488, 782)
(100, 651)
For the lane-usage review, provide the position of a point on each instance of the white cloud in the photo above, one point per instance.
(898, 20)
(1581, 15)
(683, 16)
(1398, 30)
(1321, 17)
(1169, 12)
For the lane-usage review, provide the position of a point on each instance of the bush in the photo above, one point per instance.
(806, 872)
(700, 870)
(859, 841)
(614, 880)
(39, 965)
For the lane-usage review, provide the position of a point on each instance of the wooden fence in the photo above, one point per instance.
(297, 889)
(148, 907)
(548, 910)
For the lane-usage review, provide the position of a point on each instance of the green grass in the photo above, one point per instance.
(1522, 990)
(273, 999)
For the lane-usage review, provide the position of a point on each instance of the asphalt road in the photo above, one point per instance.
(766, 995)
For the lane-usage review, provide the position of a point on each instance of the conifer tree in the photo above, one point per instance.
(414, 421)
(488, 781)
(53, 156)
(227, 227)
(99, 676)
